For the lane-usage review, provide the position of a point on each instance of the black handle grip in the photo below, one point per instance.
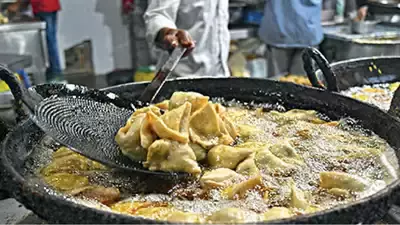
(310, 54)
(22, 96)
(11, 80)
(3, 133)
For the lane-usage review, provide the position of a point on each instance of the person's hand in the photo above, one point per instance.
(168, 39)
(362, 13)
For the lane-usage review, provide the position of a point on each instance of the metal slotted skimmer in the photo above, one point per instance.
(87, 120)
(86, 126)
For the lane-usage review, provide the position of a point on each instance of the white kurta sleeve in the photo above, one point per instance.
(160, 14)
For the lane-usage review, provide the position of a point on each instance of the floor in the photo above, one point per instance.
(12, 212)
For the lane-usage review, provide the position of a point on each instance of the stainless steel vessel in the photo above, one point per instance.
(363, 27)
(341, 44)
(27, 38)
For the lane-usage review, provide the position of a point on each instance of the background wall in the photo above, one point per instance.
(101, 22)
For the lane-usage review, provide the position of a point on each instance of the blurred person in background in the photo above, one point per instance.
(287, 28)
(46, 11)
(201, 26)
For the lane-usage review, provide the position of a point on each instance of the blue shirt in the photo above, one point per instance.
(292, 23)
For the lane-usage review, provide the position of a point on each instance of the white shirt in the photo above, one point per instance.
(207, 23)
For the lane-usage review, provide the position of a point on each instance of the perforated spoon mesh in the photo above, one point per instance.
(88, 127)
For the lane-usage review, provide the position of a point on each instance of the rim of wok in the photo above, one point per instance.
(349, 64)
(38, 191)
(342, 64)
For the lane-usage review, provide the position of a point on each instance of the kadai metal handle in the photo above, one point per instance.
(312, 54)
(22, 96)
(17, 91)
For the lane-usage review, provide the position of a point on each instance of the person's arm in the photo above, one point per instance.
(362, 12)
(161, 29)
(356, 9)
